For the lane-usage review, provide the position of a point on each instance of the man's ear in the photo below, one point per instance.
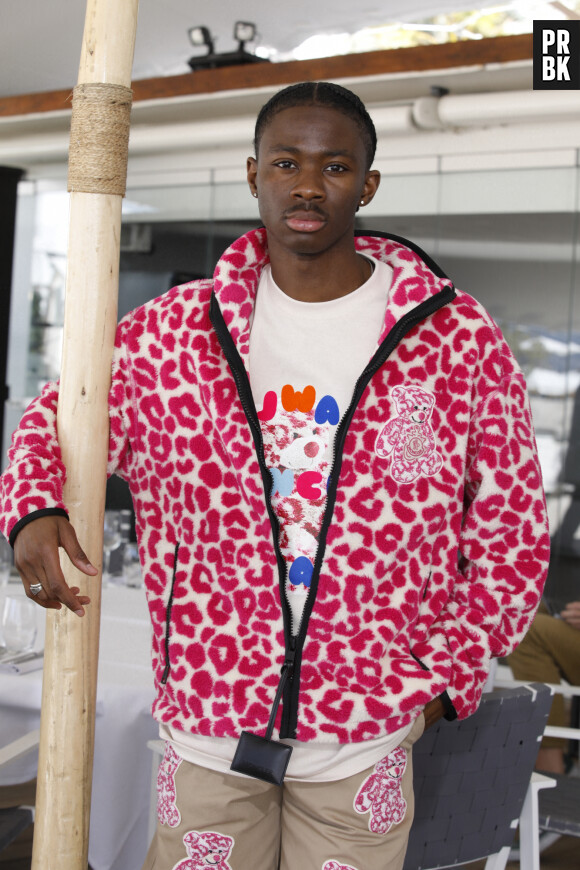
(371, 185)
(251, 173)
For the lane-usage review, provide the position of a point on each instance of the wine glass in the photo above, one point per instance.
(19, 624)
(111, 540)
(132, 566)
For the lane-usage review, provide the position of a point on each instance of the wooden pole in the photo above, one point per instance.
(71, 651)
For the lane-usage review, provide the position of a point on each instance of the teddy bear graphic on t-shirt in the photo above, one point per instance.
(295, 450)
(408, 437)
(294, 440)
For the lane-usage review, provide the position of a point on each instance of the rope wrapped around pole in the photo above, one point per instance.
(99, 139)
(97, 173)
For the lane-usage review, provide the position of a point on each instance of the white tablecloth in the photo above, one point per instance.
(122, 769)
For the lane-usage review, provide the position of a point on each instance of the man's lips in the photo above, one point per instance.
(305, 221)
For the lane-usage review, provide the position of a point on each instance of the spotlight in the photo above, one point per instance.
(244, 31)
(201, 36)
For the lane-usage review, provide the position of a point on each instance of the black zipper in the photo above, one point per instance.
(167, 667)
(294, 644)
(285, 675)
(418, 660)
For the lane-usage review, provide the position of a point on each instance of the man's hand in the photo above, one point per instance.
(37, 561)
(433, 712)
(571, 614)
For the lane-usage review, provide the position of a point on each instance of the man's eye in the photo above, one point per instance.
(336, 167)
(284, 164)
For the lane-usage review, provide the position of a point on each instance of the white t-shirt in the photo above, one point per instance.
(308, 354)
(305, 359)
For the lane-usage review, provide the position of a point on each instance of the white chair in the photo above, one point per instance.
(558, 810)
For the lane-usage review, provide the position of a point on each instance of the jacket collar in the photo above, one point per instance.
(415, 278)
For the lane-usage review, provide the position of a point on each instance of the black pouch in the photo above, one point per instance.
(261, 758)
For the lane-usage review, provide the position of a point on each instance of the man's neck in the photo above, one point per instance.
(319, 278)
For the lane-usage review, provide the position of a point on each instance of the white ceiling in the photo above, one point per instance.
(40, 40)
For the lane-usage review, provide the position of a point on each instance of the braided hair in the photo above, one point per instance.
(320, 94)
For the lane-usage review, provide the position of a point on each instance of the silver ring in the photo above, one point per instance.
(35, 588)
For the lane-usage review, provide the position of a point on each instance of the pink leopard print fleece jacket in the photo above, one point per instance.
(435, 551)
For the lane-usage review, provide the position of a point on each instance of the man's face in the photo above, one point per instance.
(310, 177)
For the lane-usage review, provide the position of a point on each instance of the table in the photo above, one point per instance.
(123, 763)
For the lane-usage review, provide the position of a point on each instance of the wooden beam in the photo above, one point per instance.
(501, 49)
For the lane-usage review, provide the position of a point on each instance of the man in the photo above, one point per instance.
(310, 439)
(550, 652)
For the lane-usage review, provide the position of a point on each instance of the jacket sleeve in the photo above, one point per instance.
(504, 543)
(32, 484)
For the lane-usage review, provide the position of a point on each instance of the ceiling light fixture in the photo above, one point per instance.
(244, 31)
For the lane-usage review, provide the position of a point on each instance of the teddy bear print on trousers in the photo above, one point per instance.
(167, 811)
(381, 794)
(207, 849)
(336, 865)
(408, 438)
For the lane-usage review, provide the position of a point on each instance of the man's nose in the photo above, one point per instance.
(308, 186)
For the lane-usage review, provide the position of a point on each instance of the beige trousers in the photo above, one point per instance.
(210, 819)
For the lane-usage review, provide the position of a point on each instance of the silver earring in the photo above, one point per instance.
(362, 202)
(254, 194)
